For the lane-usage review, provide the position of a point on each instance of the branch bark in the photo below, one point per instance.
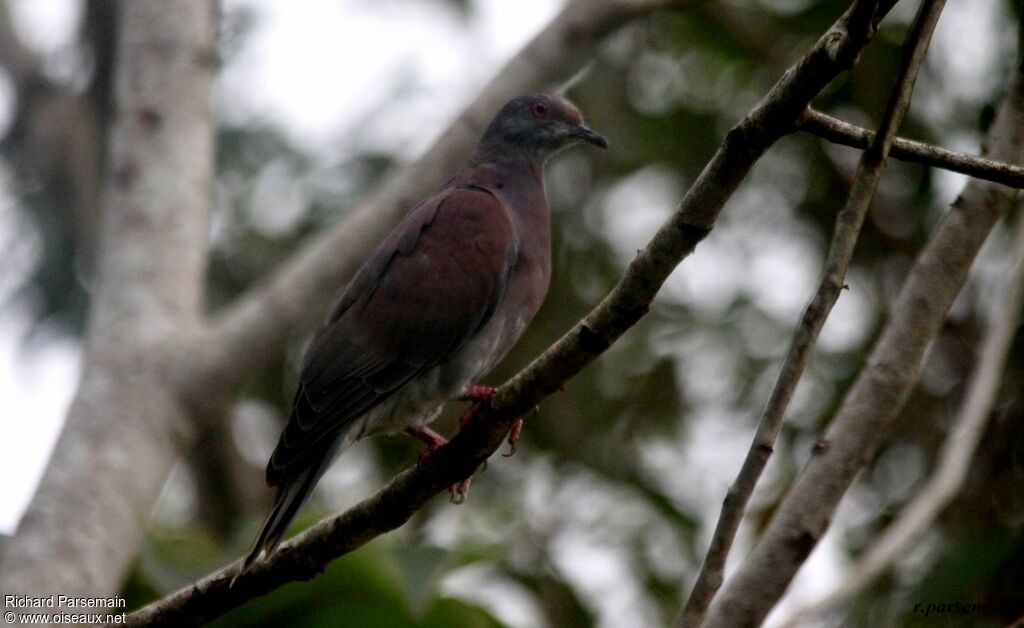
(254, 329)
(957, 450)
(87, 518)
(844, 239)
(308, 553)
(146, 349)
(839, 132)
(883, 386)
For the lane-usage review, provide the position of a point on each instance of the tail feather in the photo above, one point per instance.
(292, 493)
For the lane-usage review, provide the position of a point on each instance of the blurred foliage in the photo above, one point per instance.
(381, 585)
(606, 509)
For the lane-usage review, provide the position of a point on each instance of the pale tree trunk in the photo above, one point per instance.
(876, 398)
(152, 370)
(85, 523)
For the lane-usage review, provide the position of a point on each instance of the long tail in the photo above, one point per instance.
(292, 493)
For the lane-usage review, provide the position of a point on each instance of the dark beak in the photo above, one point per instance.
(589, 135)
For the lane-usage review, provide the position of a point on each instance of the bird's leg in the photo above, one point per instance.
(434, 442)
(477, 392)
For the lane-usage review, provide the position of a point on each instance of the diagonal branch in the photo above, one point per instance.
(844, 239)
(877, 396)
(308, 553)
(839, 132)
(253, 329)
(957, 451)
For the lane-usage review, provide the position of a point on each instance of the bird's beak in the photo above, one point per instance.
(587, 134)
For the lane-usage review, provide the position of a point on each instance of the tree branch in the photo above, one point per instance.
(844, 239)
(957, 450)
(128, 416)
(839, 132)
(253, 329)
(877, 396)
(84, 523)
(309, 552)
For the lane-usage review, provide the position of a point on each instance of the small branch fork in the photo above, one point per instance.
(844, 239)
(880, 391)
(308, 553)
(957, 451)
(839, 132)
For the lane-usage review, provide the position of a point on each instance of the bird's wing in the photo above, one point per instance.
(429, 286)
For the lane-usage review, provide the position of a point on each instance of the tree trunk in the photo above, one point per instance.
(882, 388)
(86, 521)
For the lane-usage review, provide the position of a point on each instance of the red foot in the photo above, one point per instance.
(434, 442)
(477, 392)
(513, 437)
(459, 491)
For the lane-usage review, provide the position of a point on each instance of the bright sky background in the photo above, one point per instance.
(315, 69)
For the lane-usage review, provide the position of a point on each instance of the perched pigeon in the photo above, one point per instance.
(435, 307)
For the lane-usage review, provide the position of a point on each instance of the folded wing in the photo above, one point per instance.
(425, 291)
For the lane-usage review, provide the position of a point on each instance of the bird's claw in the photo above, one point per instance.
(479, 394)
(513, 438)
(459, 491)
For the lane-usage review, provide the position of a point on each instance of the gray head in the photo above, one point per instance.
(539, 124)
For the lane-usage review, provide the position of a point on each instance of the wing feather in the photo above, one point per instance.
(430, 285)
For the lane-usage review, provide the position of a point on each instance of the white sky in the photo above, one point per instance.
(316, 69)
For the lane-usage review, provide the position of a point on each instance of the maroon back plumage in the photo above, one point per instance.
(437, 304)
(429, 286)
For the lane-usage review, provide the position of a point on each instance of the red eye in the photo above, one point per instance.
(539, 110)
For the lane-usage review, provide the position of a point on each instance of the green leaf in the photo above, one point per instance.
(421, 567)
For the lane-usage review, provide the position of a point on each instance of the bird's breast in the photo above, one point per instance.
(524, 294)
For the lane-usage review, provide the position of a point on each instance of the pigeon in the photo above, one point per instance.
(434, 308)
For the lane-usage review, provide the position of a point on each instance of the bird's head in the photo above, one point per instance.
(540, 124)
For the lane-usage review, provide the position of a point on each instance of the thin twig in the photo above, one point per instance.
(307, 554)
(844, 239)
(876, 398)
(957, 450)
(839, 132)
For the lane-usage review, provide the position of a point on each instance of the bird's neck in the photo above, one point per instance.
(509, 156)
(516, 178)
(511, 173)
